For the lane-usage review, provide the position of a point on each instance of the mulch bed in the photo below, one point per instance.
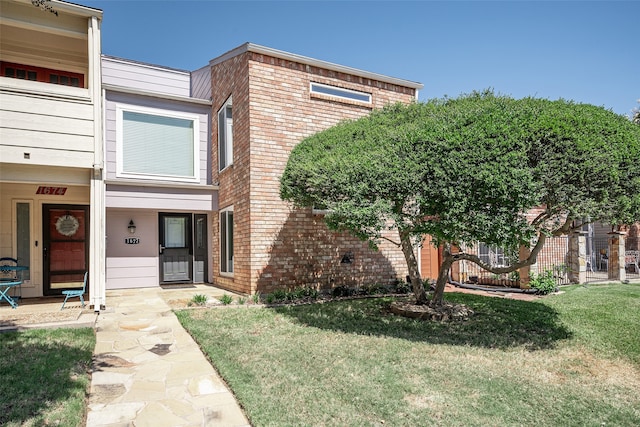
(444, 312)
(13, 317)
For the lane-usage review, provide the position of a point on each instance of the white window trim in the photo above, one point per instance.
(229, 159)
(120, 173)
(226, 273)
(341, 89)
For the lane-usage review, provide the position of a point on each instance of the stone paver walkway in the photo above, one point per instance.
(148, 371)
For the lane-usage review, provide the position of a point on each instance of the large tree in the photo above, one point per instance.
(469, 169)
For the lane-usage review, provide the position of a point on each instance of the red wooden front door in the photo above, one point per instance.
(65, 247)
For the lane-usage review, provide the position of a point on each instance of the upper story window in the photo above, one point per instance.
(338, 92)
(225, 135)
(39, 74)
(157, 144)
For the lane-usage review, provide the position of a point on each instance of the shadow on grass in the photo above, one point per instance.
(42, 371)
(497, 322)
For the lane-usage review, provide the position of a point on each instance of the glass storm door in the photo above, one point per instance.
(176, 254)
(200, 248)
(65, 248)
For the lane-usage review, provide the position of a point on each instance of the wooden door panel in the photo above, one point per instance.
(65, 247)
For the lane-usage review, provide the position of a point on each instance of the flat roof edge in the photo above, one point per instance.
(250, 47)
(152, 94)
(144, 64)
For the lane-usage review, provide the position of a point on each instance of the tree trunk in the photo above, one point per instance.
(412, 265)
(443, 276)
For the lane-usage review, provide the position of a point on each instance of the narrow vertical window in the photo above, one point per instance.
(225, 135)
(226, 241)
(23, 237)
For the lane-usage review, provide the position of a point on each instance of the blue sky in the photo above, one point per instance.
(586, 51)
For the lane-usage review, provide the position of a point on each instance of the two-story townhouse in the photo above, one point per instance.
(159, 196)
(51, 155)
(265, 101)
(131, 194)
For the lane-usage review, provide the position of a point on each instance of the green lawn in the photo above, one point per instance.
(44, 376)
(571, 359)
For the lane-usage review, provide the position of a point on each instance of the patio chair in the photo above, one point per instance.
(604, 261)
(9, 273)
(72, 293)
(632, 258)
(7, 268)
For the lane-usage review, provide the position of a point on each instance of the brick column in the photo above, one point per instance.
(578, 257)
(616, 256)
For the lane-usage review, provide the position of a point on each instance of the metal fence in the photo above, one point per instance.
(555, 258)
(632, 264)
(597, 249)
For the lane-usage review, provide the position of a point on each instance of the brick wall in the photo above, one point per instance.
(231, 79)
(276, 245)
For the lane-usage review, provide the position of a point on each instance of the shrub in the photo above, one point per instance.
(226, 299)
(255, 298)
(343, 291)
(403, 288)
(198, 299)
(304, 292)
(298, 294)
(544, 283)
(375, 289)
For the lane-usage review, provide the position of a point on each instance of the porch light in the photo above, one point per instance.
(131, 227)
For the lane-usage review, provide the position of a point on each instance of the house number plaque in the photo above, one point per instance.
(132, 240)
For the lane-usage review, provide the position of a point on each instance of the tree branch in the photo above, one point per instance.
(531, 259)
(390, 240)
(44, 5)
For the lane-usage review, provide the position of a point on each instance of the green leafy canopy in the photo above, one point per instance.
(470, 169)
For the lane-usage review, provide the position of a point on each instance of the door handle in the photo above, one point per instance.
(162, 248)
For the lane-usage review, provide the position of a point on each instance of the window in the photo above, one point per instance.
(338, 92)
(23, 237)
(493, 255)
(225, 135)
(226, 241)
(28, 72)
(157, 144)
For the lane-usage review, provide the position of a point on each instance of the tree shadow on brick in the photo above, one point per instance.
(306, 253)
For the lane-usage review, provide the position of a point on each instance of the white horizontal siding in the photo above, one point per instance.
(161, 198)
(132, 272)
(46, 123)
(56, 132)
(145, 77)
(44, 175)
(49, 106)
(45, 156)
